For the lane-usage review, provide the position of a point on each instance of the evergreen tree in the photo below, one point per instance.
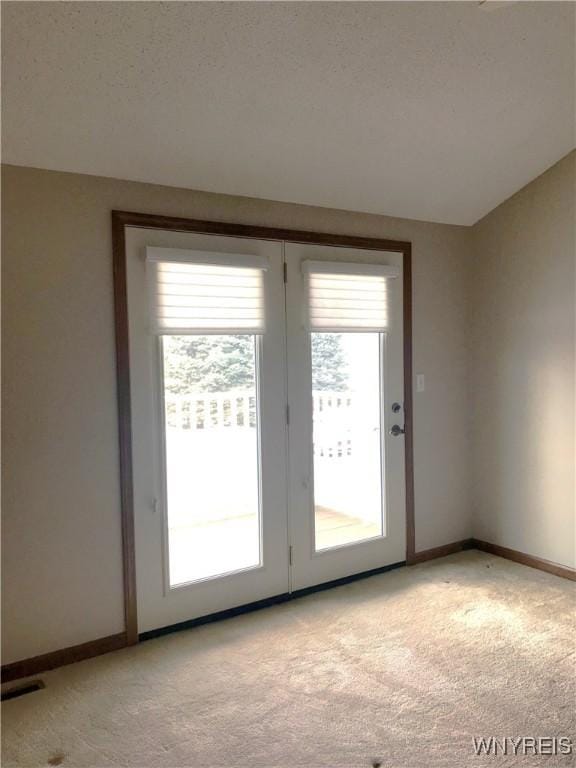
(223, 363)
(208, 363)
(328, 362)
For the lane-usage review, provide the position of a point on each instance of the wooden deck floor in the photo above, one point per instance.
(333, 529)
(208, 548)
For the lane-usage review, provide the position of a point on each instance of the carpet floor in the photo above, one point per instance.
(400, 670)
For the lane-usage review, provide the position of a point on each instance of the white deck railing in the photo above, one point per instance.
(215, 410)
(237, 410)
(333, 424)
(216, 431)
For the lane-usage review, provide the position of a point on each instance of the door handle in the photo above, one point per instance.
(396, 430)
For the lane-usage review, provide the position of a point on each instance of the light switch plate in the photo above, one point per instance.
(420, 382)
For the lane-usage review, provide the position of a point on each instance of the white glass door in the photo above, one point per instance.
(345, 389)
(267, 418)
(207, 355)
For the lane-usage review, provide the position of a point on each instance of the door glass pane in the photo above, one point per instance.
(348, 489)
(211, 407)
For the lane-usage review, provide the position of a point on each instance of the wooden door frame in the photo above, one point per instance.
(123, 219)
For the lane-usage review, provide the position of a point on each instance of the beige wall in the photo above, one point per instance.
(62, 578)
(507, 316)
(522, 369)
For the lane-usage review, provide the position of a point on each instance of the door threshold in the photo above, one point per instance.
(257, 605)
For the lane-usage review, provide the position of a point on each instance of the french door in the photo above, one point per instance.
(345, 391)
(266, 388)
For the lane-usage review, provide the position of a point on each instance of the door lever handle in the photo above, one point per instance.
(396, 430)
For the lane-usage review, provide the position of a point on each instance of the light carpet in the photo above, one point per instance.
(401, 669)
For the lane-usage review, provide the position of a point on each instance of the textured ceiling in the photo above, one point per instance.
(435, 111)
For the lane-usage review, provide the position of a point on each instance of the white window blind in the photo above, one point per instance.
(200, 292)
(348, 297)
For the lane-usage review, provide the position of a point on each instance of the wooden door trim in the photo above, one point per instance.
(123, 219)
